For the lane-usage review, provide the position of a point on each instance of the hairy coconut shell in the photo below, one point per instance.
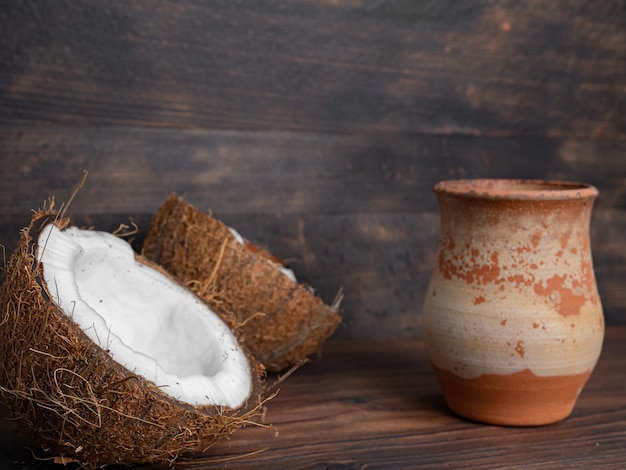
(71, 399)
(280, 320)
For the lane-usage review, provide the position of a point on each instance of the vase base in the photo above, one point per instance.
(518, 399)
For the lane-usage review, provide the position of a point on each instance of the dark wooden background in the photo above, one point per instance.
(315, 127)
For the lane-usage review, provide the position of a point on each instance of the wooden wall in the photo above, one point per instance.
(315, 127)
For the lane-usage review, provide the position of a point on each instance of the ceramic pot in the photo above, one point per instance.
(512, 319)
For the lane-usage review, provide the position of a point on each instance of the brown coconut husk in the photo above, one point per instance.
(281, 321)
(72, 400)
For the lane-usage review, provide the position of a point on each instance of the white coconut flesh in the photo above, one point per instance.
(147, 323)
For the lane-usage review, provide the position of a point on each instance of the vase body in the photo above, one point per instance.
(512, 319)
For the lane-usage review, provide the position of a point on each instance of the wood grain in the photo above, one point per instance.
(230, 172)
(396, 66)
(376, 404)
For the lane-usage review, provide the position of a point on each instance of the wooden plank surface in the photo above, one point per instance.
(376, 404)
(229, 172)
(450, 67)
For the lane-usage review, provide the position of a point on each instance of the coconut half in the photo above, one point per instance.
(106, 359)
(281, 321)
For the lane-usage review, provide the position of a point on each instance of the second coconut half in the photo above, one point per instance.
(280, 320)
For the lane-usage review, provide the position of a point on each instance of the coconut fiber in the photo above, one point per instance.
(281, 321)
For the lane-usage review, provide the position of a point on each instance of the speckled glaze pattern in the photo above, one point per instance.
(512, 319)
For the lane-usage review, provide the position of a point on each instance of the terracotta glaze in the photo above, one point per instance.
(512, 319)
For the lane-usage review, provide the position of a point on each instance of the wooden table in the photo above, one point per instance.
(376, 404)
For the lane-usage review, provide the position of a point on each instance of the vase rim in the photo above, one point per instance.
(516, 189)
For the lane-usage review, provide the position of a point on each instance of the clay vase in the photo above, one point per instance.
(512, 319)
